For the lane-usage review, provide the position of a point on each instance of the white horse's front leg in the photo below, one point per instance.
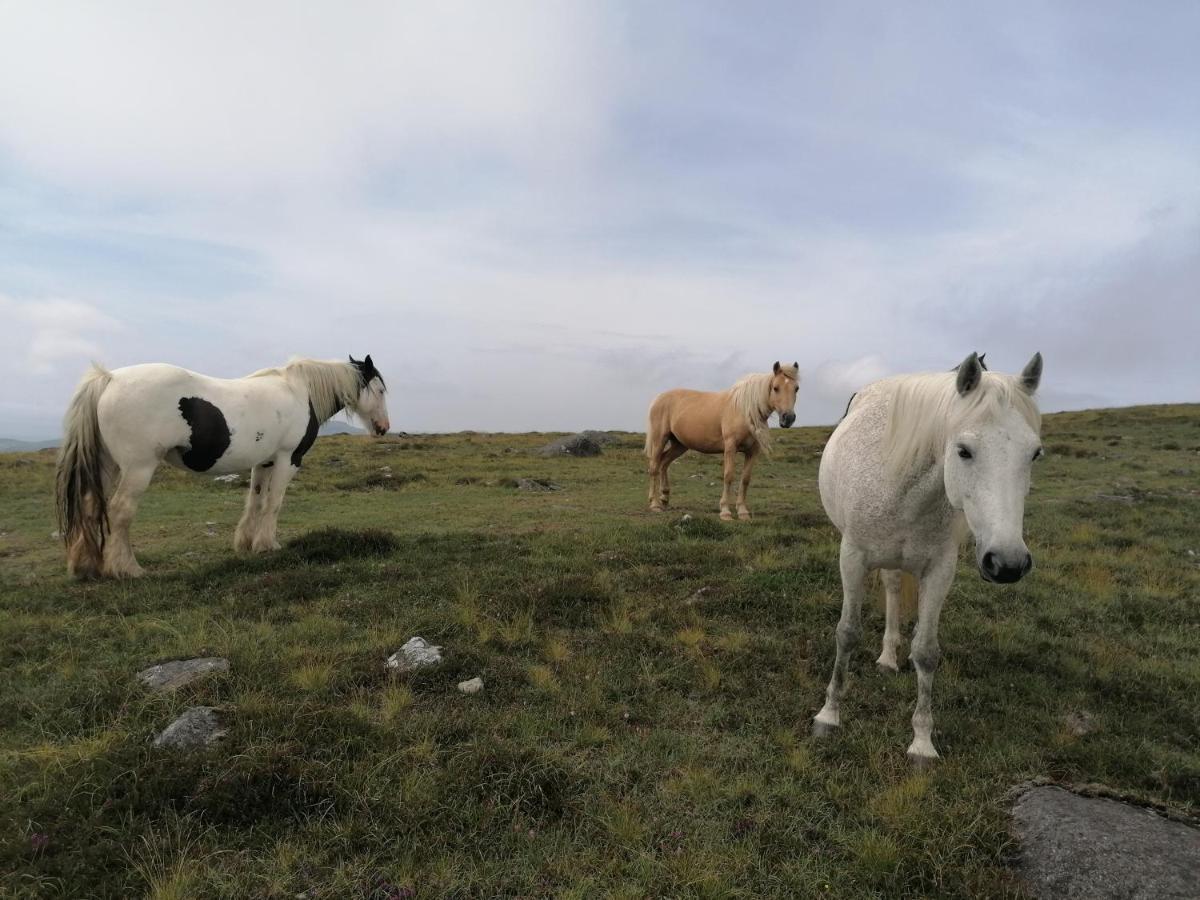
(256, 503)
(926, 654)
(849, 630)
(892, 581)
(281, 476)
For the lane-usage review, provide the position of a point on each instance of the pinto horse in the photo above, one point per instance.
(919, 462)
(122, 424)
(726, 422)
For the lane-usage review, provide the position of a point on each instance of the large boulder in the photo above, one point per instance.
(1091, 848)
(197, 727)
(572, 445)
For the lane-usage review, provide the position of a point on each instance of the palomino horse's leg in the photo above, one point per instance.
(926, 654)
(849, 629)
(280, 478)
(728, 473)
(656, 444)
(892, 581)
(256, 503)
(119, 561)
(673, 452)
(747, 467)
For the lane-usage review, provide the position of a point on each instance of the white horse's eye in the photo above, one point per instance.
(964, 453)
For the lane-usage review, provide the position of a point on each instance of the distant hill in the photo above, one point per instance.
(12, 445)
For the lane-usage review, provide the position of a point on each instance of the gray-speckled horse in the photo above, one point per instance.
(918, 461)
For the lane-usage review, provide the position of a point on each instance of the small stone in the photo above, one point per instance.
(1080, 723)
(417, 653)
(169, 676)
(687, 517)
(198, 726)
(228, 479)
(56, 535)
(537, 485)
(474, 686)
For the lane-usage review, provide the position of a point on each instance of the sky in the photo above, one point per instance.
(537, 215)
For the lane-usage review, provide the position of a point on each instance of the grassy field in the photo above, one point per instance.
(649, 682)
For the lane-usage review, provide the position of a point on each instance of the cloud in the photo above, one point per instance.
(44, 333)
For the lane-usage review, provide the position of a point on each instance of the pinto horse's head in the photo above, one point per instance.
(371, 406)
(988, 459)
(785, 385)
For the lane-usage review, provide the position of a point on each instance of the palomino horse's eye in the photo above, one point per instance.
(964, 453)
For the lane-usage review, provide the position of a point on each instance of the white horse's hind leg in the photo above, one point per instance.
(280, 478)
(849, 629)
(119, 561)
(892, 579)
(256, 502)
(926, 654)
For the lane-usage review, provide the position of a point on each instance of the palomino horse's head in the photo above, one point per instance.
(987, 465)
(371, 406)
(785, 385)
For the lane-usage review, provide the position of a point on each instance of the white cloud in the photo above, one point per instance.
(40, 334)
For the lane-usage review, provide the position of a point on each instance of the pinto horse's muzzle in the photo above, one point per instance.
(787, 420)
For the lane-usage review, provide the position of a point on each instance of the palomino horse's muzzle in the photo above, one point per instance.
(787, 419)
(1002, 569)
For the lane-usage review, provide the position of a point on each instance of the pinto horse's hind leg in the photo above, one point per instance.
(849, 629)
(280, 477)
(256, 503)
(892, 582)
(119, 561)
(673, 452)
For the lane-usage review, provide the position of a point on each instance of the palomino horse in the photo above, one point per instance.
(122, 424)
(719, 422)
(918, 462)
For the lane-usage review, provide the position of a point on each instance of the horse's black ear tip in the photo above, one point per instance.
(776, 369)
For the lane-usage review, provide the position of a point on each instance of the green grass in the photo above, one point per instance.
(649, 683)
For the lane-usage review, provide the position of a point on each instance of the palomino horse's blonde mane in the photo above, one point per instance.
(924, 410)
(332, 385)
(751, 395)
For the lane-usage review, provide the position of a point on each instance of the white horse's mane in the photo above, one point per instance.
(332, 385)
(925, 409)
(751, 395)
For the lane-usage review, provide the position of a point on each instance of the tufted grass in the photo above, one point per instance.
(643, 730)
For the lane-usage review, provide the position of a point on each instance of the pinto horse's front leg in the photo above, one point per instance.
(281, 476)
(849, 630)
(256, 504)
(926, 654)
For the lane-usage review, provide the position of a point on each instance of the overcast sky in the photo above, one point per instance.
(538, 215)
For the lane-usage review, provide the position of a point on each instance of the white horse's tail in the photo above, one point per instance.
(82, 460)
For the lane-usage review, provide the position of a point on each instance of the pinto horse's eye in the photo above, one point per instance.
(964, 453)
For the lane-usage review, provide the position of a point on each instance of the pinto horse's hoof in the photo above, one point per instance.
(823, 729)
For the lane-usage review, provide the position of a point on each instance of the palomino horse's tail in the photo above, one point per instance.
(82, 506)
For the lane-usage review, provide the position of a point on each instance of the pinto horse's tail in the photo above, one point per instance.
(79, 490)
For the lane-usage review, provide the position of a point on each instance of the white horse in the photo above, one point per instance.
(122, 424)
(917, 462)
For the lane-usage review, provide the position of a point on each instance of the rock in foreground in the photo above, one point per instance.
(175, 674)
(1088, 847)
(199, 726)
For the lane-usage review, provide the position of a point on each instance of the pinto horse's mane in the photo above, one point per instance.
(924, 410)
(332, 385)
(751, 396)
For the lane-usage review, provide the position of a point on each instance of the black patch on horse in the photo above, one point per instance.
(310, 436)
(210, 434)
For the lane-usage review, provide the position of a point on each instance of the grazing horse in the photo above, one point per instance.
(725, 422)
(918, 461)
(122, 424)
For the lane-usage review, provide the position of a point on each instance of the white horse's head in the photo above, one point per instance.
(371, 405)
(987, 466)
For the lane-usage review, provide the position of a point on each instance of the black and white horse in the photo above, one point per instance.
(122, 424)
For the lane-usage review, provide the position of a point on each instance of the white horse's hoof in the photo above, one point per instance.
(887, 668)
(823, 729)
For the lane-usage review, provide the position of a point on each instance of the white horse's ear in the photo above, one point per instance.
(776, 367)
(970, 373)
(1031, 375)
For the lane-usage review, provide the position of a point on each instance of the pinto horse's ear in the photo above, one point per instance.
(1031, 375)
(970, 373)
(776, 367)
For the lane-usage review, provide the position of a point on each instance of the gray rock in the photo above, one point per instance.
(417, 653)
(572, 445)
(199, 726)
(473, 686)
(171, 675)
(603, 438)
(1088, 847)
(537, 485)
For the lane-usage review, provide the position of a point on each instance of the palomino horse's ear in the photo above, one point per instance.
(776, 370)
(1031, 375)
(970, 373)
(796, 367)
